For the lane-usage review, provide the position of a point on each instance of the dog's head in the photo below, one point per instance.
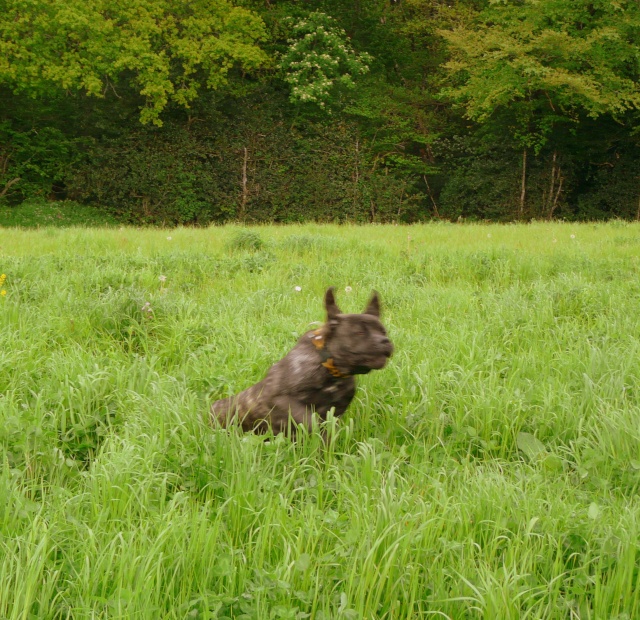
(358, 342)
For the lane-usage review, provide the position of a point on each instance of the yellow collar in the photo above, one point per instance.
(318, 341)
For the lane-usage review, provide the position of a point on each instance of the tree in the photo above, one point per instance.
(167, 49)
(320, 61)
(575, 55)
(531, 64)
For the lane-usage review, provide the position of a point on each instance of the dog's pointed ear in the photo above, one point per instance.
(330, 304)
(374, 305)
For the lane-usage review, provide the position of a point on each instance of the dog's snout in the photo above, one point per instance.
(386, 346)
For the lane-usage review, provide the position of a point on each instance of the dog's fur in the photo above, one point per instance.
(315, 376)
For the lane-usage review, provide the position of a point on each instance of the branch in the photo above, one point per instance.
(8, 185)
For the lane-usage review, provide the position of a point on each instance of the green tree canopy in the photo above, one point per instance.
(167, 49)
(550, 59)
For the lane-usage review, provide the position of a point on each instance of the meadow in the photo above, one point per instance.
(491, 470)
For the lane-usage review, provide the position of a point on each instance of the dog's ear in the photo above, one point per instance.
(374, 305)
(330, 304)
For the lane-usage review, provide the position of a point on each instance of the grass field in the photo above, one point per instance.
(490, 471)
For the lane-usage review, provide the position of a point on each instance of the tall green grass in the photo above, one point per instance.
(490, 471)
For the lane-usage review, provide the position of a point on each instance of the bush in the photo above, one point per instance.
(245, 162)
(35, 162)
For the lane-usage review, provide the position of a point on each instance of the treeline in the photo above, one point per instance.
(163, 111)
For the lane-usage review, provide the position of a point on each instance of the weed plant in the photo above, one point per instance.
(490, 471)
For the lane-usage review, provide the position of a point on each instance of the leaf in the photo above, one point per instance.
(223, 566)
(532, 523)
(344, 601)
(594, 511)
(303, 563)
(531, 446)
(553, 463)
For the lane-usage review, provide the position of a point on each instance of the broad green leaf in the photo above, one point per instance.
(303, 562)
(532, 447)
(552, 462)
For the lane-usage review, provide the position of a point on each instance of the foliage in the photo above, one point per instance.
(33, 161)
(318, 169)
(612, 188)
(153, 176)
(483, 182)
(320, 60)
(168, 49)
(502, 110)
(546, 60)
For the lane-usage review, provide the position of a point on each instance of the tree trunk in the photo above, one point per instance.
(401, 197)
(555, 200)
(549, 205)
(245, 192)
(8, 185)
(356, 179)
(433, 202)
(523, 192)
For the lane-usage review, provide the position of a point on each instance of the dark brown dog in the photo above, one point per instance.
(316, 375)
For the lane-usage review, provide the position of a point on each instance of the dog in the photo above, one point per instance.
(317, 375)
